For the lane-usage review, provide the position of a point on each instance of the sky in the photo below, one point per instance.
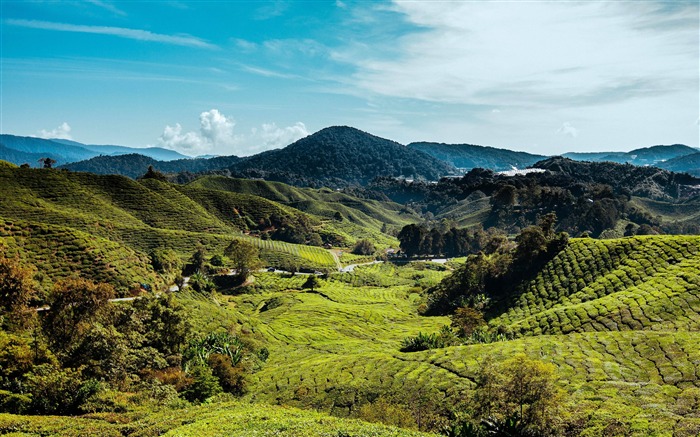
(240, 77)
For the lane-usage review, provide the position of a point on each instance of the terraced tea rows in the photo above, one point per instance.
(229, 418)
(609, 285)
(339, 346)
(59, 252)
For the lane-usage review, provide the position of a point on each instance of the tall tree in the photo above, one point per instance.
(245, 257)
(16, 290)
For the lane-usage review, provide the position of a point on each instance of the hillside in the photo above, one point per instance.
(648, 182)
(622, 333)
(686, 163)
(617, 318)
(341, 156)
(468, 156)
(135, 165)
(150, 214)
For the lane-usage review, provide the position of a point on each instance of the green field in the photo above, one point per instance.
(227, 418)
(331, 348)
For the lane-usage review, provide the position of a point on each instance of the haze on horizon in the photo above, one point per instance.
(241, 77)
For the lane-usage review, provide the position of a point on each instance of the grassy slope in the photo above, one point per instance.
(642, 371)
(141, 215)
(231, 418)
(367, 213)
(640, 283)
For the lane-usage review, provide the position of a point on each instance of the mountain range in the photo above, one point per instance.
(336, 157)
(20, 150)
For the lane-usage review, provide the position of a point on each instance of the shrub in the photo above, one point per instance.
(422, 342)
(363, 247)
(204, 384)
(231, 378)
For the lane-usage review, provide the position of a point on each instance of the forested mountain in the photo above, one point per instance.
(686, 163)
(470, 156)
(341, 156)
(135, 165)
(650, 182)
(67, 151)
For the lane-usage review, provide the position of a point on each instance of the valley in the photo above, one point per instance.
(325, 353)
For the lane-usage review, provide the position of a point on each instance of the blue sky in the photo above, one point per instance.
(239, 77)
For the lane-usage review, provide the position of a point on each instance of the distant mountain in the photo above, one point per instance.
(688, 164)
(470, 156)
(61, 152)
(17, 157)
(653, 155)
(596, 156)
(134, 165)
(341, 156)
(158, 153)
(15, 147)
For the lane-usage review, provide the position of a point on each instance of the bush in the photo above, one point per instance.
(363, 247)
(230, 377)
(204, 384)
(422, 342)
(59, 391)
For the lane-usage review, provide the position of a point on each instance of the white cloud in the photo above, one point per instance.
(61, 132)
(137, 34)
(107, 6)
(568, 130)
(340, 4)
(528, 54)
(275, 137)
(215, 130)
(216, 135)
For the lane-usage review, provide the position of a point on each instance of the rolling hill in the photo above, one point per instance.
(82, 212)
(468, 156)
(341, 156)
(618, 318)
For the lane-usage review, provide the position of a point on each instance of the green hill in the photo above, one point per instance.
(150, 214)
(341, 156)
(640, 283)
(470, 156)
(135, 164)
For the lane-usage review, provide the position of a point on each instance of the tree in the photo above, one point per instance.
(76, 304)
(151, 173)
(467, 320)
(519, 394)
(47, 162)
(411, 237)
(165, 260)
(312, 282)
(16, 290)
(245, 257)
(504, 197)
(198, 261)
(363, 247)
